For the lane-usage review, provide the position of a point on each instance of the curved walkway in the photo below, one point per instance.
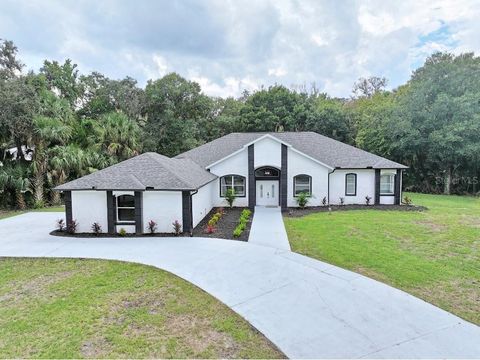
(308, 308)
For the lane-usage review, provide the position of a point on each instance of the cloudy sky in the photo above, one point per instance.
(228, 45)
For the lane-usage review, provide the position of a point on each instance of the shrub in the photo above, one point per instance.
(152, 226)
(96, 228)
(324, 201)
(237, 232)
(177, 227)
(302, 200)
(38, 204)
(210, 229)
(367, 200)
(72, 227)
(122, 232)
(61, 225)
(342, 201)
(211, 222)
(230, 197)
(407, 200)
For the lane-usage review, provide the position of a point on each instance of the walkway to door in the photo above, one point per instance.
(268, 228)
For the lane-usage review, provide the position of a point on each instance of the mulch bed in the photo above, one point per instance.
(106, 235)
(223, 229)
(225, 226)
(297, 212)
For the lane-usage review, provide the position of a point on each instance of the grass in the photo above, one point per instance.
(434, 254)
(59, 308)
(9, 213)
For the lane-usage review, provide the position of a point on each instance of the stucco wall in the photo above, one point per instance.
(163, 207)
(299, 164)
(202, 202)
(268, 152)
(89, 207)
(235, 165)
(365, 186)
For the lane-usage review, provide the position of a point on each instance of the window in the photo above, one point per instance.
(302, 184)
(126, 208)
(267, 172)
(387, 183)
(235, 182)
(351, 184)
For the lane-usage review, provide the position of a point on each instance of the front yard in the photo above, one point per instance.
(58, 308)
(9, 213)
(434, 254)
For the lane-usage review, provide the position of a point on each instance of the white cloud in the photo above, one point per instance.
(237, 45)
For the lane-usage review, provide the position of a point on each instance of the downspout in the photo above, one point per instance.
(328, 185)
(191, 211)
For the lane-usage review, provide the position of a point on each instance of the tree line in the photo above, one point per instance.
(57, 124)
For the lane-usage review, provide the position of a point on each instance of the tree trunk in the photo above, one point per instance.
(20, 200)
(448, 181)
(56, 198)
(38, 194)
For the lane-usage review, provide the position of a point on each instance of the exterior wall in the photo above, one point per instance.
(365, 186)
(89, 207)
(202, 202)
(387, 199)
(299, 164)
(163, 207)
(268, 153)
(235, 165)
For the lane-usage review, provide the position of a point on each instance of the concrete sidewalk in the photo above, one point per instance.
(268, 228)
(308, 308)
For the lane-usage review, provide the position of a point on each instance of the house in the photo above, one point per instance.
(264, 169)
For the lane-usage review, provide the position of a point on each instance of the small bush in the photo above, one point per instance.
(96, 228)
(122, 232)
(237, 232)
(302, 200)
(152, 226)
(407, 200)
(177, 227)
(367, 200)
(324, 201)
(72, 227)
(342, 201)
(61, 225)
(210, 229)
(230, 197)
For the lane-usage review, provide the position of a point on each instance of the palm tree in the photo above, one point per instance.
(47, 132)
(16, 178)
(118, 136)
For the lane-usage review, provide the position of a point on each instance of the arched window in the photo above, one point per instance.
(235, 182)
(126, 208)
(267, 172)
(351, 184)
(302, 184)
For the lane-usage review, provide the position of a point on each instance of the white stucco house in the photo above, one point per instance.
(264, 169)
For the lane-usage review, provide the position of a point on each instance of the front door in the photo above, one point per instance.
(267, 192)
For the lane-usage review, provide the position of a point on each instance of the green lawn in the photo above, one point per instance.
(434, 254)
(9, 213)
(58, 308)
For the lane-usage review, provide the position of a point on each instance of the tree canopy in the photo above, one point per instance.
(72, 124)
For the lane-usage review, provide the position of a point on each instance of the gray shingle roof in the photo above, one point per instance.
(147, 170)
(324, 149)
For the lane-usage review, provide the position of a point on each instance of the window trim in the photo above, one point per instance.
(393, 185)
(346, 182)
(310, 183)
(124, 222)
(233, 185)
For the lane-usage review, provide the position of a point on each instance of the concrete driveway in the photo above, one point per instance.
(308, 308)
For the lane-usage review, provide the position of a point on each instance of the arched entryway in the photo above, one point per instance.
(267, 185)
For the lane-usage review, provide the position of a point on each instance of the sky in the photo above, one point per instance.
(228, 46)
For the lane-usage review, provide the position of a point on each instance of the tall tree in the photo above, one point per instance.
(369, 86)
(10, 66)
(63, 80)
